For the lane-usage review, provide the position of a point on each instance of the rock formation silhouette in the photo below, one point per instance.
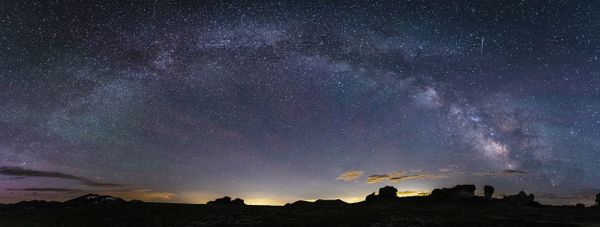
(385, 195)
(227, 201)
(388, 192)
(457, 192)
(488, 191)
(598, 200)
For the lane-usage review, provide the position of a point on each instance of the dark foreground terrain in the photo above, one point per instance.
(456, 206)
(161, 214)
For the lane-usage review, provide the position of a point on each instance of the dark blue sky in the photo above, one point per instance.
(277, 102)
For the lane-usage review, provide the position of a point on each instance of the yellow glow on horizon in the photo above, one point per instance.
(264, 201)
(412, 193)
(353, 199)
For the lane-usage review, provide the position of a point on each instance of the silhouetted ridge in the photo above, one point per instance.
(227, 201)
(34, 204)
(93, 199)
(318, 203)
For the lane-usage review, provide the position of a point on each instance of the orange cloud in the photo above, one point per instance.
(400, 176)
(350, 175)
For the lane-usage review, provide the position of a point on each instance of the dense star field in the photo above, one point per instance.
(275, 102)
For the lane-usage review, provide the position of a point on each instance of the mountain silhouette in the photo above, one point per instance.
(93, 199)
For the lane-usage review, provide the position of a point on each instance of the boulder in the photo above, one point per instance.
(457, 192)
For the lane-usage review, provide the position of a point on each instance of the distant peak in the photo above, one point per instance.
(94, 199)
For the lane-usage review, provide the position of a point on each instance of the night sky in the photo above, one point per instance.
(272, 103)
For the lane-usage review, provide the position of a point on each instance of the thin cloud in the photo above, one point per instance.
(61, 190)
(99, 184)
(503, 173)
(418, 176)
(350, 175)
(511, 171)
(22, 172)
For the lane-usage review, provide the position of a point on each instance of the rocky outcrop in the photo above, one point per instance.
(371, 197)
(598, 200)
(488, 191)
(388, 192)
(227, 201)
(457, 192)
